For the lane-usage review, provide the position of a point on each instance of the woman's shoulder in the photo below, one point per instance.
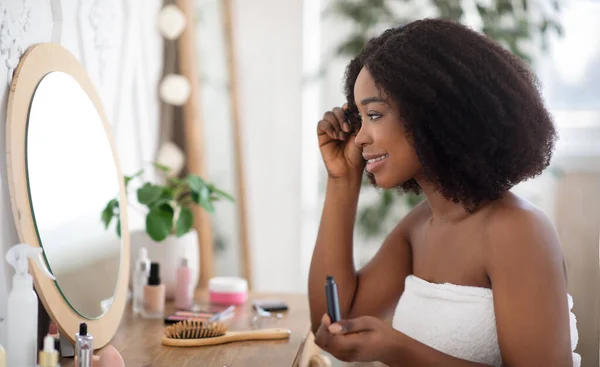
(414, 220)
(515, 229)
(516, 215)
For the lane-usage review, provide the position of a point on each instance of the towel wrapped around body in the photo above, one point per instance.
(457, 320)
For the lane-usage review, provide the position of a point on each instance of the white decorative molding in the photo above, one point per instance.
(102, 20)
(13, 27)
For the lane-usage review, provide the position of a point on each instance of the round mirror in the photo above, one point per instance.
(63, 170)
(71, 176)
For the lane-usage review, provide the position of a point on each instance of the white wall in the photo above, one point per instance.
(269, 52)
(118, 44)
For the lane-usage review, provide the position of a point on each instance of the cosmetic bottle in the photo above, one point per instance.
(140, 279)
(154, 295)
(22, 312)
(84, 347)
(184, 292)
(48, 355)
(2, 357)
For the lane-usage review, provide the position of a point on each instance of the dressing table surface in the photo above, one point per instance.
(139, 340)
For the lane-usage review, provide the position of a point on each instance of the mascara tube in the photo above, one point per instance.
(333, 302)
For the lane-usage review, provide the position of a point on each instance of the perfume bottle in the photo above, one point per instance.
(154, 295)
(140, 279)
(183, 292)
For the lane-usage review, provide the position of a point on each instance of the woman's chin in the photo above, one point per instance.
(382, 183)
(386, 182)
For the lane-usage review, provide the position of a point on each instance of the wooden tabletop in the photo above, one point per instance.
(139, 340)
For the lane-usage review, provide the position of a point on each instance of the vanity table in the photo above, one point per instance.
(63, 169)
(138, 339)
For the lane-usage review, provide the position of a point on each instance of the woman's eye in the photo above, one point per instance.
(373, 116)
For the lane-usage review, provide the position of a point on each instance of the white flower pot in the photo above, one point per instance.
(168, 254)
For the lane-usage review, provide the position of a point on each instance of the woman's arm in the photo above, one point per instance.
(527, 272)
(377, 286)
(367, 339)
(526, 268)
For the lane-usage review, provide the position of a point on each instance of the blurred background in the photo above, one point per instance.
(268, 69)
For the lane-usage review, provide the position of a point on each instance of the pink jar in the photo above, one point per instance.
(228, 290)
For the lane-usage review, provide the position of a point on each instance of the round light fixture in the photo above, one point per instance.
(175, 89)
(171, 21)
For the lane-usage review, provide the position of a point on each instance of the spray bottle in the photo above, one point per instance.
(22, 313)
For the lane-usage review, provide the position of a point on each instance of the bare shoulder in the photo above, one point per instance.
(519, 234)
(403, 231)
(416, 217)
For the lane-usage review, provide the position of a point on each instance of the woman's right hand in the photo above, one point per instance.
(342, 157)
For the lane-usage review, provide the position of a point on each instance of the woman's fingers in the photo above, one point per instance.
(325, 127)
(332, 118)
(341, 116)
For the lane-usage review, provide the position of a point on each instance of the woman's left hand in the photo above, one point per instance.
(364, 339)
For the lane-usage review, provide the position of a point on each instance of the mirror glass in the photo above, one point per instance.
(215, 83)
(71, 176)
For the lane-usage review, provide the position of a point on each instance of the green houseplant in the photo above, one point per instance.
(522, 26)
(169, 204)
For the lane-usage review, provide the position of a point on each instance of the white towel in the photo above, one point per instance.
(457, 320)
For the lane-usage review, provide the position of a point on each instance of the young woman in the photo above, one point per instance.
(474, 275)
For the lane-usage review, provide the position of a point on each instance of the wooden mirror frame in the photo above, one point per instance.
(35, 64)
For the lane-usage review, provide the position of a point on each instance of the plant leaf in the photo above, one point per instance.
(184, 222)
(176, 181)
(108, 212)
(220, 193)
(167, 193)
(196, 183)
(129, 178)
(159, 223)
(200, 192)
(119, 227)
(166, 208)
(149, 193)
(161, 167)
(203, 201)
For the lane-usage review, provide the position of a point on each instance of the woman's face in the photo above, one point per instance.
(391, 158)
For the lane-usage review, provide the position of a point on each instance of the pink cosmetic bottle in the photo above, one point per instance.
(184, 292)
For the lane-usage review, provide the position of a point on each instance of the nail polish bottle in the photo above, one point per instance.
(183, 292)
(154, 295)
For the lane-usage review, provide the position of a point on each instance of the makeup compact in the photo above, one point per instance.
(270, 305)
(228, 290)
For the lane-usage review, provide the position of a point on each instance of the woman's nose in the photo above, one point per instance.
(362, 137)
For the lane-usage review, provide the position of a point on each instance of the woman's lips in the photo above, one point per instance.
(376, 163)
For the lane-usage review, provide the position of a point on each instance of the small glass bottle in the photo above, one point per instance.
(140, 278)
(183, 293)
(154, 295)
(84, 347)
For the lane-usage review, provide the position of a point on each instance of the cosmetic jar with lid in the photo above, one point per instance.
(228, 290)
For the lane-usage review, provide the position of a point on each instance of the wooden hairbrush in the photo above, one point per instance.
(198, 333)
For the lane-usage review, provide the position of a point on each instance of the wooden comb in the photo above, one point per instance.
(198, 333)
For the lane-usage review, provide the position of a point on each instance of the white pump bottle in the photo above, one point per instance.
(22, 312)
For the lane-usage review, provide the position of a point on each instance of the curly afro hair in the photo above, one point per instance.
(471, 109)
